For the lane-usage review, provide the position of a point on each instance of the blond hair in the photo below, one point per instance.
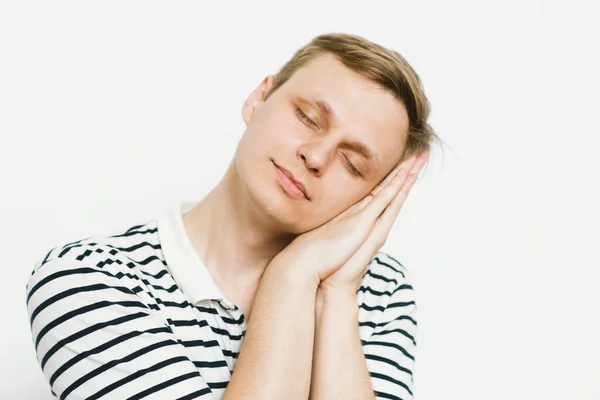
(383, 66)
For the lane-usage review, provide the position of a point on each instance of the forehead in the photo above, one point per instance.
(364, 111)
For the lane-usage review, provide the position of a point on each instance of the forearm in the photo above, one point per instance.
(276, 355)
(339, 366)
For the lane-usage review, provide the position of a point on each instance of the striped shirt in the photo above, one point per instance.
(135, 314)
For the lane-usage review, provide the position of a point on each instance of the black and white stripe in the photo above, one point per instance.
(110, 319)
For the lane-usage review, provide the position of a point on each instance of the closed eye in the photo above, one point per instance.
(304, 117)
(353, 169)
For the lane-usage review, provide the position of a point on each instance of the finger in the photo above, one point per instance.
(358, 206)
(413, 164)
(406, 165)
(375, 207)
(420, 162)
(380, 231)
(359, 262)
(390, 214)
(365, 201)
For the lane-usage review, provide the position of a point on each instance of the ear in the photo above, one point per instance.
(256, 98)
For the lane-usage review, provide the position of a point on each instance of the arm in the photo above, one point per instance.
(96, 338)
(339, 367)
(276, 356)
(390, 351)
(275, 360)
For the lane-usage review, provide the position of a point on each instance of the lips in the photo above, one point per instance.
(295, 181)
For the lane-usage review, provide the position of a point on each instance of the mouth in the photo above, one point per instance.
(290, 184)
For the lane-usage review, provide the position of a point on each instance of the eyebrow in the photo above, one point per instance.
(363, 150)
(358, 147)
(325, 109)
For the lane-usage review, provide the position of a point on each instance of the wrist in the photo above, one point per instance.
(332, 296)
(288, 274)
(335, 307)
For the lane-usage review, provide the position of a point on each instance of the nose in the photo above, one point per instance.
(316, 155)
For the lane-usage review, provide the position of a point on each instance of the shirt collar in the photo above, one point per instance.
(188, 270)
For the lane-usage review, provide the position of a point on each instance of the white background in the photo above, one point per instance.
(110, 111)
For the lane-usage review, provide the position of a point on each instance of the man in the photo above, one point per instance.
(272, 286)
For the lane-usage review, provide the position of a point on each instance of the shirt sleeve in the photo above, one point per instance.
(95, 337)
(390, 350)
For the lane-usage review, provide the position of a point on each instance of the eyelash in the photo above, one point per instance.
(309, 121)
(304, 117)
(352, 167)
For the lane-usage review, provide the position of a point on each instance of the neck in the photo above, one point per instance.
(234, 239)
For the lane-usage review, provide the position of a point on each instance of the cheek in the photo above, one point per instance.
(343, 195)
(279, 124)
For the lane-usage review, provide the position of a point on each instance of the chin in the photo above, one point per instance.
(278, 208)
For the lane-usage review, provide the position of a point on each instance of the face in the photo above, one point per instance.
(337, 133)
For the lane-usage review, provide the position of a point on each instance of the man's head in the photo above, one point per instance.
(338, 116)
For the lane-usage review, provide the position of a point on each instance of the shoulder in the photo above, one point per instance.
(387, 264)
(98, 249)
(113, 253)
(385, 291)
(388, 327)
(385, 273)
